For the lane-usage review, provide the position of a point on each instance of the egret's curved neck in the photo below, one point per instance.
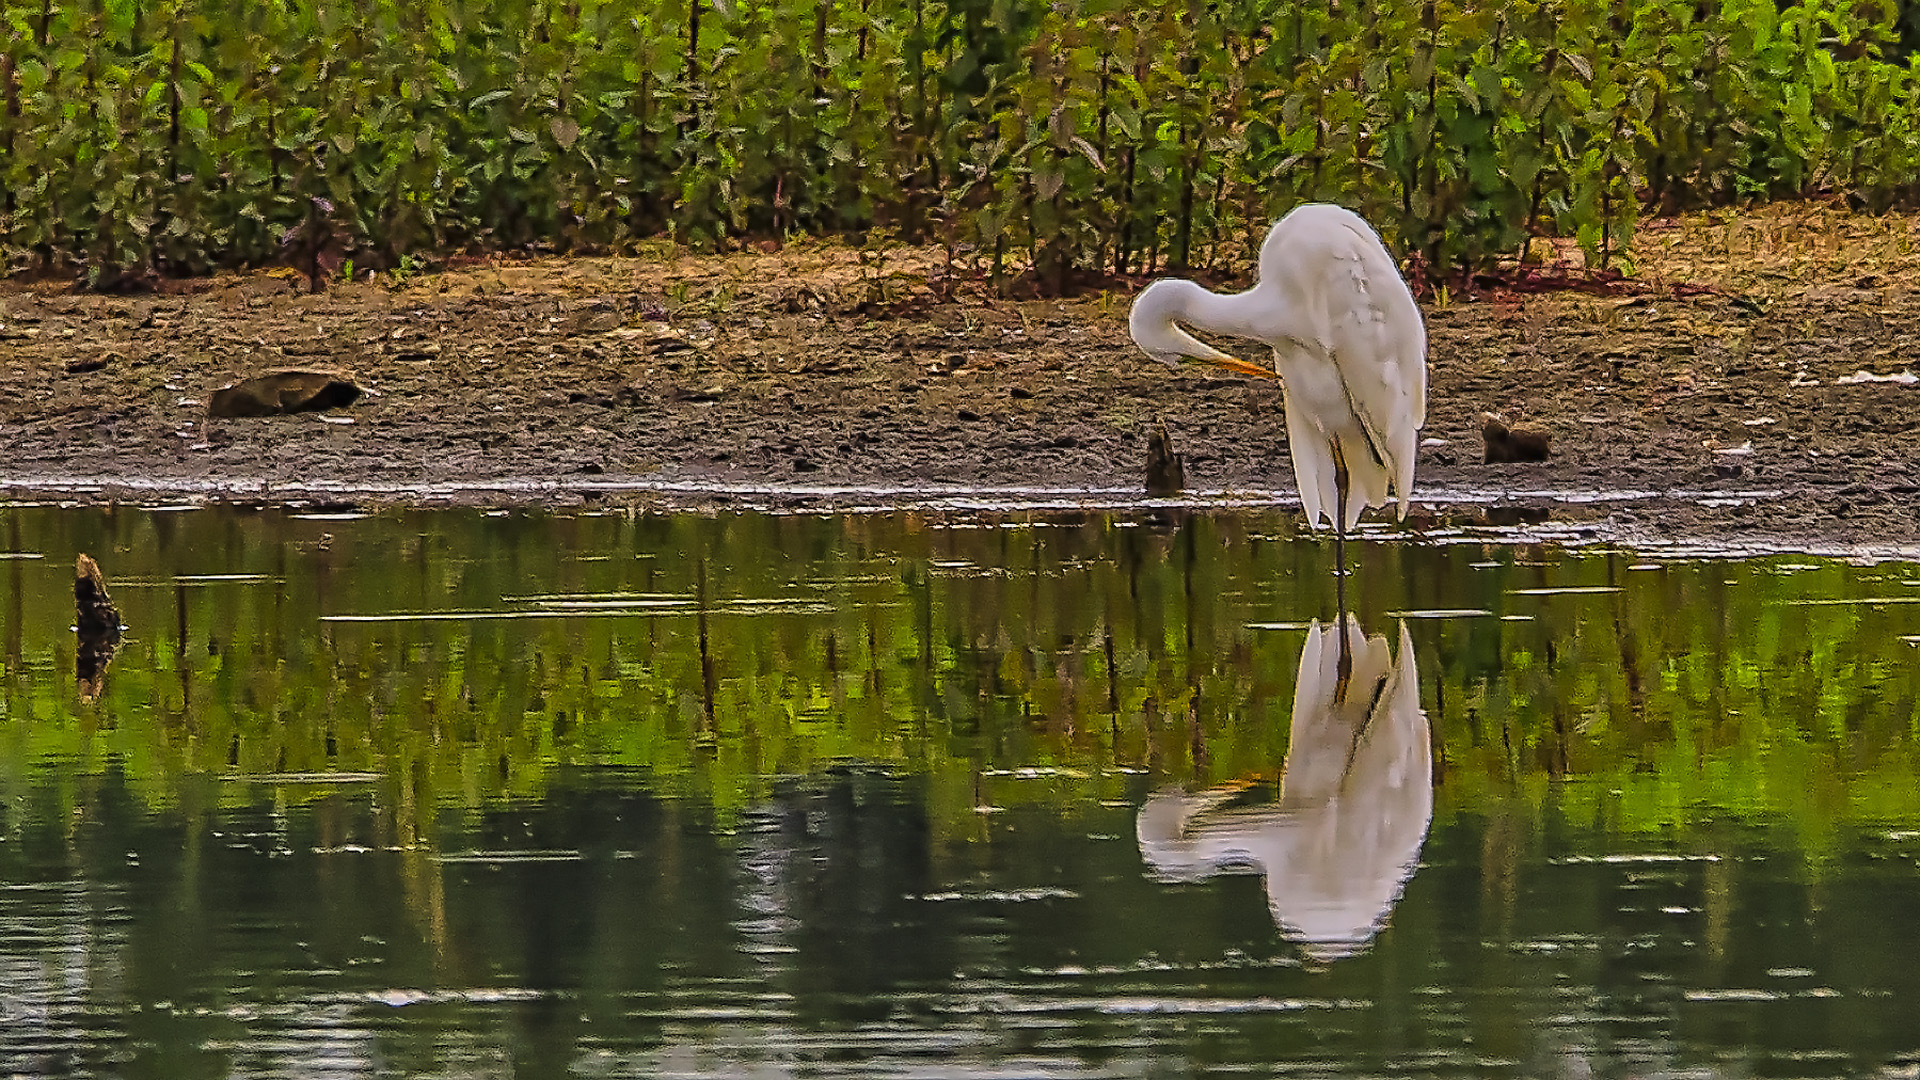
(1177, 300)
(1235, 314)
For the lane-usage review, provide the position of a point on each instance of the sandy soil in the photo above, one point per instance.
(1715, 416)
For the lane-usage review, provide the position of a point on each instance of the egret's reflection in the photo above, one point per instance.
(1355, 799)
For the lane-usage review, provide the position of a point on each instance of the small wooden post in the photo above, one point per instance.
(1166, 475)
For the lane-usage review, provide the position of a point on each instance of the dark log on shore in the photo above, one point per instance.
(279, 393)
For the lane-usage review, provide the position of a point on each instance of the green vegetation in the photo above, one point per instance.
(1083, 135)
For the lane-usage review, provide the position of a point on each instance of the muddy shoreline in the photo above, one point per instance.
(805, 378)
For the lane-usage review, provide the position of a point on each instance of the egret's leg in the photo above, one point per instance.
(1340, 480)
(1343, 666)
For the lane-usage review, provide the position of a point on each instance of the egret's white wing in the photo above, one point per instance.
(1379, 345)
(1349, 341)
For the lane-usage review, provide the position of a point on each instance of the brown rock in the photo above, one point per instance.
(1521, 441)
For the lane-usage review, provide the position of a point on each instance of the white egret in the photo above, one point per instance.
(1349, 347)
(1356, 797)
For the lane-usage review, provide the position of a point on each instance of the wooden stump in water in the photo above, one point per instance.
(94, 612)
(96, 623)
(1166, 475)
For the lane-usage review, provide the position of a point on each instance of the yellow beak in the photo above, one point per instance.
(1241, 366)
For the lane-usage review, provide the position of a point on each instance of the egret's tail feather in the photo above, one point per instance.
(1406, 446)
(1372, 482)
(1313, 467)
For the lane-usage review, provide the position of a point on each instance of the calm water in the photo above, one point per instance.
(914, 795)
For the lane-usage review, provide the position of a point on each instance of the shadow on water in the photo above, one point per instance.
(910, 794)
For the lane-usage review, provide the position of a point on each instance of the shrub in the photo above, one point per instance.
(1062, 136)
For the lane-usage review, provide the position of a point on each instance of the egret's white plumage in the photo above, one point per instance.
(1356, 797)
(1348, 344)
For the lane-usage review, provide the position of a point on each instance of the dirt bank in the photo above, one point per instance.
(559, 381)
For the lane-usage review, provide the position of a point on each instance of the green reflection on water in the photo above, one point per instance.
(720, 652)
(689, 786)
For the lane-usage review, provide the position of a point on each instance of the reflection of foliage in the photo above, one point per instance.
(746, 865)
(1691, 694)
(1090, 134)
(1072, 648)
